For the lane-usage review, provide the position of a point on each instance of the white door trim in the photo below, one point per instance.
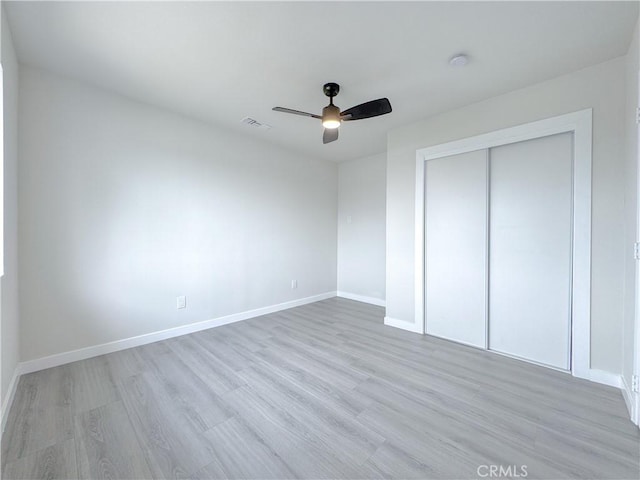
(635, 370)
(580, 123)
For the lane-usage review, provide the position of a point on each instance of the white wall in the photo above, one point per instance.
(361, 228)
(9, 327)
(631, 206)
(124, 206)
(601, 87)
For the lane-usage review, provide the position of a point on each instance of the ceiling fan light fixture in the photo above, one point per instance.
(331, 123)
(330, 117)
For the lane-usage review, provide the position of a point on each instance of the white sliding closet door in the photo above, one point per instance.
(456, 248)
(530, 249)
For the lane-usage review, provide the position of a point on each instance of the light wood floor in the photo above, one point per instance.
(320, 391)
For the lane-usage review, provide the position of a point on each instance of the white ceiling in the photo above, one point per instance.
(221, 61)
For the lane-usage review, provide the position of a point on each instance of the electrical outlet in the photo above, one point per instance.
(294, 284)
(181, 302)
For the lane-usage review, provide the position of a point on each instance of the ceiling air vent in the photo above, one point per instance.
(255, 124)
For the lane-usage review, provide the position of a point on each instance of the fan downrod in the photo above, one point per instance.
(331, 89)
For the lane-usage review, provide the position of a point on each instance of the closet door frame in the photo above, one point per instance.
(580, 124)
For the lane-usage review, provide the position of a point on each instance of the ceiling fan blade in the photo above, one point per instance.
(367, 110)
(330, 135)
(295, 112)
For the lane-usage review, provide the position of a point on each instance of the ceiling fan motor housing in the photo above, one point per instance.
(331, 89)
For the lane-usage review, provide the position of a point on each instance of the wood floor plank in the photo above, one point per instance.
(173, 446)
(239, 338)
(189, 394)
(233, 357)
(126, 363)
(415, 445)
(559, 414)
(92, 384)
(451, 447)
(291, 438)
(41, 413)
(585, 459)
(219, 377)
(321, 360)
(233, 439)
(337, 426)
(324, 348)
(519, 429)
(595, 431)
(390, 461)
(306, 376)
(57, 462)
(211, 471)
(107, 447)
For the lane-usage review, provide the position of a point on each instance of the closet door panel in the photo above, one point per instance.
(455, 247)
(530, 249)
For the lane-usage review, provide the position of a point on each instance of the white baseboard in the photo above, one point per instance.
(96, 350)
(403, 324)
(362, 298)
(627, 394)
(8, 400)
(605, 378)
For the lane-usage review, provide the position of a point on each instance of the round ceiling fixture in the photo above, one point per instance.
(459, 60)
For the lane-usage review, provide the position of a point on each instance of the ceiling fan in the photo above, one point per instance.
(332, 117)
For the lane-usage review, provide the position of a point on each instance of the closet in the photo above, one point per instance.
(498, 248)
